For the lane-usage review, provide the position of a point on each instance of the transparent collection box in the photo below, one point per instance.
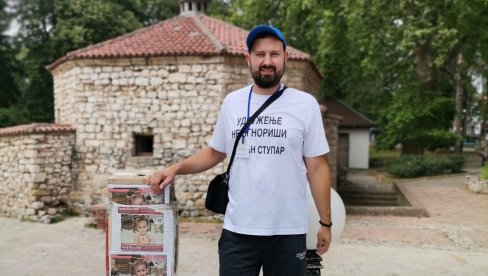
(142, 235)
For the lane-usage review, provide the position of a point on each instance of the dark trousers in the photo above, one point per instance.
(243, 255)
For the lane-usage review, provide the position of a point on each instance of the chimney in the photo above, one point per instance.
(192, 7)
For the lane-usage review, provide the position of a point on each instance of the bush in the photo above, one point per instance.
(484, 172)
(57, 218)
(416, 166)
(438, 139)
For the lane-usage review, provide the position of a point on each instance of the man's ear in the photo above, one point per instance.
(248, 59)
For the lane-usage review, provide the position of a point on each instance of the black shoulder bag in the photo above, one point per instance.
(217, 193)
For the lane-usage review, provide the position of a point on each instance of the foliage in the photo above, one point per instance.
(411, 61)
(416, 116)
(70, 212)
(149, 12)
(50, 29)
(394, 61)
(484, 172)
(441, 140)
(9, 91)
(375, 153)
(13, 115)
(67, 213)
(416, 166)
(219, 9)
(8, 67)
(57, 218)
(380, 157)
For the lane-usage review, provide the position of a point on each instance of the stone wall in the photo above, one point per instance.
(175, 99)
(331, 125)
(301, 75)
(35, 170)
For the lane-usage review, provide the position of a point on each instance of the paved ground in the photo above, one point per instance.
(452, 241)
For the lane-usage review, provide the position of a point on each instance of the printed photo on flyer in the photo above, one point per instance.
(141, 195)
(142, 233)
(138, 265)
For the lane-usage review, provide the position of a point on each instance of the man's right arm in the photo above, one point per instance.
(199, 162)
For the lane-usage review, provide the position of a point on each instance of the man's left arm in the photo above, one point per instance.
(318, 174)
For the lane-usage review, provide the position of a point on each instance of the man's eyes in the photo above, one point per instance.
(275, 54)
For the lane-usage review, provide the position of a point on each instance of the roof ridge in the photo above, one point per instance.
(36, 128)
(353, 110)
(206, 31)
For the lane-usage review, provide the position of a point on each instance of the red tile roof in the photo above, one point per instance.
(35, 128)
(351, 118)
(198, 35)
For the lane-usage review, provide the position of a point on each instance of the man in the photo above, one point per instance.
(266, 218)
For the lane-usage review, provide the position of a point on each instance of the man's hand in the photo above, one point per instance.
(199, 162)
(160, 178)
(324, 237)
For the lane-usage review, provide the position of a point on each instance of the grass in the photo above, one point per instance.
(379, 158)
(57, 218)
(383, 154)
(67, 213)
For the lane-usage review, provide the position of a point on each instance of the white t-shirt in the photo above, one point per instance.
(268, 183)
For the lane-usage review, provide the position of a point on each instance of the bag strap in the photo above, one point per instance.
(270, 100)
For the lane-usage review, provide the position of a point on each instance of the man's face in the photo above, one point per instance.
(267, 61)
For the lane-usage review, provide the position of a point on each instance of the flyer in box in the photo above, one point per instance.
(142, 233)
(135, 195)
(138, 264)
(142, 228)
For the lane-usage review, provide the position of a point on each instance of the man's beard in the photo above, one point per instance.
(267, 81)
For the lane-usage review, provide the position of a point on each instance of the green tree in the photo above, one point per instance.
(219, 9)
(8, 86)
(299, 20)
(396, 61)
(434, 43)
(52, 28)
(149, 12)
(9, 91)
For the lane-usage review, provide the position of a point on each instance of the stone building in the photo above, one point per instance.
(151, 97)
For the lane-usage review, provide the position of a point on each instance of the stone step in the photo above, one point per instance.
(393, 198)
(367, 192)
(369, 198)
(350, 202)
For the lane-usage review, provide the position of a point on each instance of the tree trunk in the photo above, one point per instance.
(483, 113)
(423, 62)
(458, 124)
(412, 147)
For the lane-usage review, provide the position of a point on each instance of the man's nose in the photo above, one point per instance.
(267, 59)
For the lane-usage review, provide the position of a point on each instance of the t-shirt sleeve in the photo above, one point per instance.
(217, 141)
(315, 142)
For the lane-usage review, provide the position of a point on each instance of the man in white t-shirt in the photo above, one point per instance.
(282, 152)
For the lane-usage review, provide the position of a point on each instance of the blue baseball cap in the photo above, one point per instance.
(260, 30)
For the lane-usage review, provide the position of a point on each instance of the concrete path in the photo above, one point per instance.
(452, 241)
